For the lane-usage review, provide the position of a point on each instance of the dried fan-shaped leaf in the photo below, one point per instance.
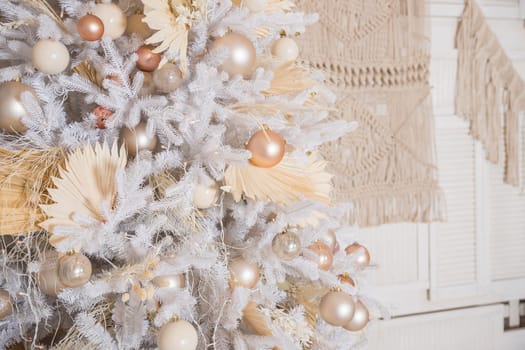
(24, 178)
(87, 182)
(290, 78)
(256, 320)
(282, 184)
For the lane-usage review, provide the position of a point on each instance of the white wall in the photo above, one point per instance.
(475, 262)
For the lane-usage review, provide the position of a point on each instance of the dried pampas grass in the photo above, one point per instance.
(83, 186)
(282, 184)
(290, 78)
(24, 177)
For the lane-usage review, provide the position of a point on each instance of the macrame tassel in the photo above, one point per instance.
(488, 83)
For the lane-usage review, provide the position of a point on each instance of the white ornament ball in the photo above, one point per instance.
(205, 196)
(286, 49)
(50, 56)
(255, 5)
(178, 335)
(114, 19)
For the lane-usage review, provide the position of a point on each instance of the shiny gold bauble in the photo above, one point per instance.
(323, 255)
(90, 27)
(168, 78)
(362, 256)
(114, 19)
(137, 26)
(243, 273)
(176, 281)
(337, 308)
(329, 238)
(47, 278)
(267, 148)
(177, 335)
(148, 60)
(50, 56)
(137, 139)
(6, 304)
(360, 318)
(286, 246)
(74, 270)
(241, 54)
(345, 278)
(12, 109)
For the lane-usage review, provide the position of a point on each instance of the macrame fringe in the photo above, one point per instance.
(490, 92)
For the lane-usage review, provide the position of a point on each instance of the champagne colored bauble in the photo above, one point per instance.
(285, 49)
(50, 56)
(362, 256)
(176, 281)
(205, 196)
(90, 27)
(243, 273)
(148, 60)
(102, 114)
(74, 270)
(178, 335)
(6, 304)
(47, 279)
(267, 148)
(323, 255)
(337, 308)
(137, 26)
(255, 5)
(360, 318)
(242, 56)
(168, 78)
(329, 238)
(12, 109)
(346, 279)
(114, 19)
(286, 246)
(138, 139)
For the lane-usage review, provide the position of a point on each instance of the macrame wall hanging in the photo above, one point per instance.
(377, 56)
(490, 92)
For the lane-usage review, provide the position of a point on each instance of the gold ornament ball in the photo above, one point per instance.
(176, 281)
(360, 318)
(74, 270)
(137, 26)
(47, 278)
(13, 109)
(168, 78)
(323, 255)
(362, 256)
(267, 148)
(50, 56)
(138, 139)
(330, 239)
(205, 196)
(345, 278)
(90, 27)
(178, 335)
(6, 304)
(148, 60)
(243, 273)
(286, 246)
(114, 19)
(337, 308)
(241, 57)
(285, 49)
(255, 5)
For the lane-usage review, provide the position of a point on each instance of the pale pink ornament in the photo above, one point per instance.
(50, 56)
(337, 308)
(177, 335)
(285, 49)
(114, 19)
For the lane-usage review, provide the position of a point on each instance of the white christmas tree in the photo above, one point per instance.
(161, 184)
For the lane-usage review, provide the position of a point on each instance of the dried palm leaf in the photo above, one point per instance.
(45, 7)
(282, 184)
(290, 78)
(86, 70)
(24, 178)
(256, 320)
(83, 186)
